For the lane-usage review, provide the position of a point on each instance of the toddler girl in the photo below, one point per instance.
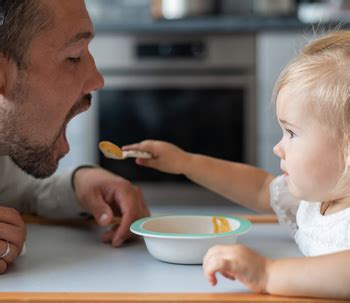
(312, 197)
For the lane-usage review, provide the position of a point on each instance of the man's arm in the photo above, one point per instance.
(97, 192)
(52, 197)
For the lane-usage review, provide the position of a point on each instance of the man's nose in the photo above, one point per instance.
(100, 82)
(95, 80)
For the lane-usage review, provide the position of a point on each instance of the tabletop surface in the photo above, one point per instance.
(72, 259)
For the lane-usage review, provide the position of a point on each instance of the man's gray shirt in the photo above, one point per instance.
(52, 197)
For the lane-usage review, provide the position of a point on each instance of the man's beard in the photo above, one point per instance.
(37, 160)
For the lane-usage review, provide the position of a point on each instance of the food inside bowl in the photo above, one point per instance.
(221, 225)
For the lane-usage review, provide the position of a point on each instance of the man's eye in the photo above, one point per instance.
(74, 59)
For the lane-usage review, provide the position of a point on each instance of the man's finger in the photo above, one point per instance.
(99, 209)
(11, 216)
(12, 233)
(123, 231)
(3, 266)
(12, 251)
(108, 235)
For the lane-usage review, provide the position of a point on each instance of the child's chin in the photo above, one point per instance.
(296, 193)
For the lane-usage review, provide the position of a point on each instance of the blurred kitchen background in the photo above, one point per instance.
(198, 73)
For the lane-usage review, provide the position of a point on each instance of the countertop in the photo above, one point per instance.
(69, 264)
(68, 259)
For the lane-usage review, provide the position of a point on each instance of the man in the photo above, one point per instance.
(47, 75)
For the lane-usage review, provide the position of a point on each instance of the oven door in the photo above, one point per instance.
(207, 114)
(201, 113)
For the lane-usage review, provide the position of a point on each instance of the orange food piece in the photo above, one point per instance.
(110, 149)
(221, 225)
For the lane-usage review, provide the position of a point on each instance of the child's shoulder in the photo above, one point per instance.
(320, 234)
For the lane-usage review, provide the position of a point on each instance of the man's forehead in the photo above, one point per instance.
(62, 8)
(70, 22)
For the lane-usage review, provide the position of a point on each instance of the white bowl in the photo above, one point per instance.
(185, 239)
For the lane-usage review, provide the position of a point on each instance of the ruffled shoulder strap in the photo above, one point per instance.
(284, 204)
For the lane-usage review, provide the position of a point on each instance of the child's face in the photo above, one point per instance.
(310, 156)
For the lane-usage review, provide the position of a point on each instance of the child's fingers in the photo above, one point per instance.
(211, 277)
(229, 275)
(212, 265)
(135, 146)
(144, 162)
(145, 145)
(212, 254)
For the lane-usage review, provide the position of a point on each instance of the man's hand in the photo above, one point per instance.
(237, 262)
(12, 236)
(106, 195)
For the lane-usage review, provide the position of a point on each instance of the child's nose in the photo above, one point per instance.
(278, 150)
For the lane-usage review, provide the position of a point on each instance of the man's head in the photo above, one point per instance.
(46, 78)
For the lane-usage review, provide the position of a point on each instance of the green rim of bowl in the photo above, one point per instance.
(136, 228)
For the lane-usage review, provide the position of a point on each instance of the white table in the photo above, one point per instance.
(72, 259)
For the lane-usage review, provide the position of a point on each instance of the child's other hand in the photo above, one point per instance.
(167, 157)
(237, 262)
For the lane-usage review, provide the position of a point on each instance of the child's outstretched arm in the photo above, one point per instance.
(241, 183)
(321, 276)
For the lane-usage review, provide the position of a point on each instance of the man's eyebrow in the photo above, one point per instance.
(78, 37)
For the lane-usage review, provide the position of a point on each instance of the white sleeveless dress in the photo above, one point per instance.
(314, 233)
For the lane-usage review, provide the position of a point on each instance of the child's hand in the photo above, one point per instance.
(237, 262)
(166, 157)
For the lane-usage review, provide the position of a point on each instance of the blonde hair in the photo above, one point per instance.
(320, 75)
(321, 72)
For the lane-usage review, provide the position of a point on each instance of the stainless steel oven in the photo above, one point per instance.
(196, 91)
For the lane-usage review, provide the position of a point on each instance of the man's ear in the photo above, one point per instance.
(8, 73)
(2, 74)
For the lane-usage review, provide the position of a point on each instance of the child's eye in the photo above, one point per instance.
(74, 59)
(291, 134)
